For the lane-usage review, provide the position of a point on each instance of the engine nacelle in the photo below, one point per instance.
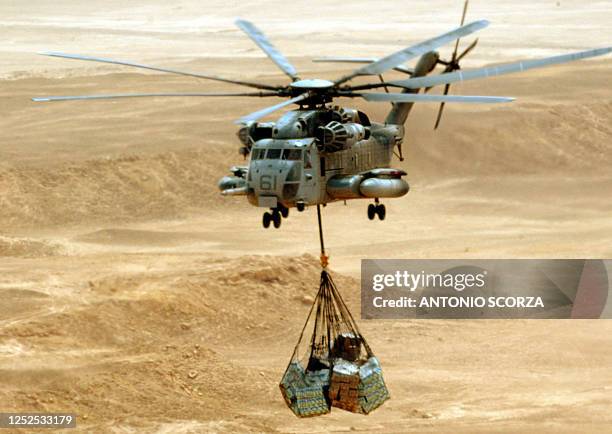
(252, 132)
(344, 187)
(387, 183)
(336, 136)
(347, 114)
(383, 187)
(231, 182)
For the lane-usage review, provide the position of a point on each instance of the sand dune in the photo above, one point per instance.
(12, 246)
(132, 346)
(122, 189)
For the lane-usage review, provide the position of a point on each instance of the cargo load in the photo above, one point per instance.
(336, 366)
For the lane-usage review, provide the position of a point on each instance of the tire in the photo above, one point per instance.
(300, 206)
(371, 211)
(284, 212)
(276, 219)
(381, 211)
(267, 218)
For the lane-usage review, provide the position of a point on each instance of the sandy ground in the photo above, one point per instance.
(137, 297)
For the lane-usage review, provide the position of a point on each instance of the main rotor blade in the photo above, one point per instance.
(140, 95)
(359, 60)
(419, 97)
(262, 41)
(408, 53)
(266, 111)
(155, 68)
(508, 68)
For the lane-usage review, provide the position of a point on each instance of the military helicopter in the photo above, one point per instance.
(321, 153)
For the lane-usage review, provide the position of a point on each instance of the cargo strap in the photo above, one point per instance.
(332, 317)
(324, 258)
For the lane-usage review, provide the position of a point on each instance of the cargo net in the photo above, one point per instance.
(337, 367)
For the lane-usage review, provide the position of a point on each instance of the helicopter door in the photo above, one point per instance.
(308, 171)
(310, 192)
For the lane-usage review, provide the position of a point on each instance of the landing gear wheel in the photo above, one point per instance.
(267, 218)
(284, 212)
(371, 211)
(300, 206)
(276, 219)
(381, 211)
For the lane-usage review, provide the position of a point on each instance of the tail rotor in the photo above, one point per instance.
(453, 64)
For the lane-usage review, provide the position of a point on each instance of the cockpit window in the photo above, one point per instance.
(273, 154)
(292, 154)
(258, 154)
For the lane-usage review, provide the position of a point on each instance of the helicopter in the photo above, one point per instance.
(320, 153)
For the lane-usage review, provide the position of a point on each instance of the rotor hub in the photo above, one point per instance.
(312, 84)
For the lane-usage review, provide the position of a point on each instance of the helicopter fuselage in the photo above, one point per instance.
(317, 156)
(323, 154)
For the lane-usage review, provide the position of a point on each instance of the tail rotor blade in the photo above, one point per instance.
(453, 63)
(467, 50)
(439, 115)
(465, 7)
(441, 109)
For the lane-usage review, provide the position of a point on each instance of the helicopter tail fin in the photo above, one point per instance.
(400, 111)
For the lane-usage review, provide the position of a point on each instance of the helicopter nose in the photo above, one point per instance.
(272, 178)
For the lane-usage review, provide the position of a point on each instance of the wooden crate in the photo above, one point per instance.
(344, 392)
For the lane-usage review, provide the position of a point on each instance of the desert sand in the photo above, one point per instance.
(136, 296)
